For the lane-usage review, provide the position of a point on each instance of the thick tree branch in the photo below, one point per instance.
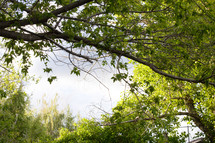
(29, 37)
(70, 6)
(57, 34)
(43, 18)
(205, 126)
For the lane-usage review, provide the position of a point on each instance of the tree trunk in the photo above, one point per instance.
(205, 126)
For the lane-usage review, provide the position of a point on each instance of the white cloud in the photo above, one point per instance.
(77, 92)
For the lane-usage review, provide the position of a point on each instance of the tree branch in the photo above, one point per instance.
(161, 116)
(205, 126)
(70, 6)
(29, 37)
(57, 34)
(137, 59)
(43, 18)
(91, 23)
(58, 45)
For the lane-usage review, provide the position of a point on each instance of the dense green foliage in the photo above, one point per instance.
(15, 124)
(91, 131)
(151, 112)
(18, 123)
(159, 101)
(175, 39)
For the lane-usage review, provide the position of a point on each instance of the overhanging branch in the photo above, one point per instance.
(56, 34)
(61, 47)
(43, 18)
(29, 37)
(137, 59)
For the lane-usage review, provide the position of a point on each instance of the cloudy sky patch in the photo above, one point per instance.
(81, 93)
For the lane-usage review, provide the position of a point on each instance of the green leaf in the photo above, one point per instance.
(75, 71)
(51, 79)
(48, 70)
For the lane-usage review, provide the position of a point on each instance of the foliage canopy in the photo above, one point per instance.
(173, 38)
